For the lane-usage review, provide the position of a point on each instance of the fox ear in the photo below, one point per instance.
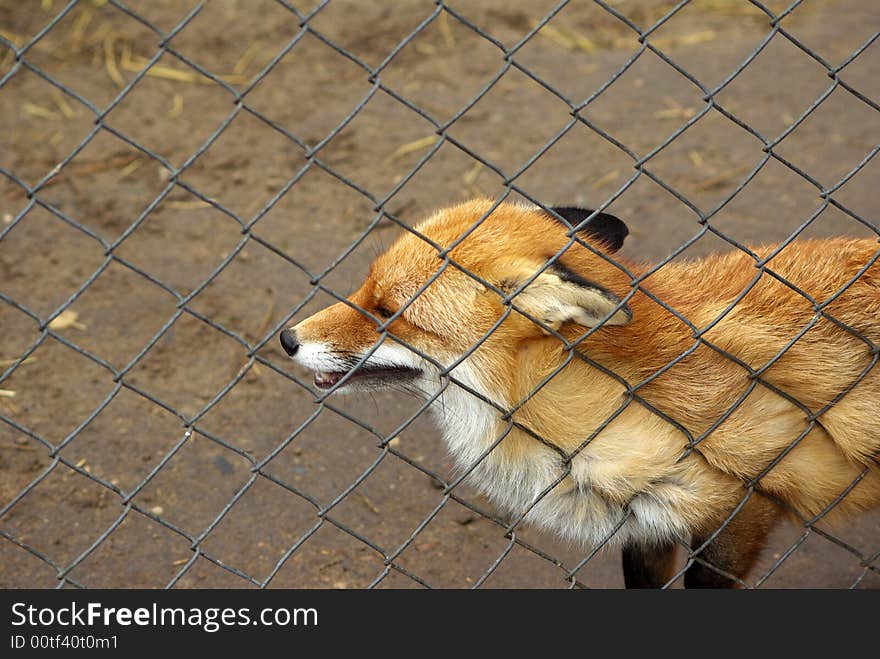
(559, 296)
(605, 228)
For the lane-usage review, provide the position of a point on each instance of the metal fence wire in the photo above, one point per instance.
(48, 542)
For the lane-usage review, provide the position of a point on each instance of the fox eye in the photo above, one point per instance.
(384, 312)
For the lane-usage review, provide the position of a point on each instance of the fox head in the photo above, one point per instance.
(463, 293)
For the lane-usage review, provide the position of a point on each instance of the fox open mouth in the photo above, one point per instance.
(375, 375)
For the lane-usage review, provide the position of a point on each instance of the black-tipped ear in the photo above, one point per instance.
(607, 228)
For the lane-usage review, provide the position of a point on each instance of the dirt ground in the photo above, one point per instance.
(120, 415)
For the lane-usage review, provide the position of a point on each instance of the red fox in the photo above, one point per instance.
(565, 386)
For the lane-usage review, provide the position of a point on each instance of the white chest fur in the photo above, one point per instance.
(574, 508)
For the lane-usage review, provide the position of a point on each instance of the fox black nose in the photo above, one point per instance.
(289, 342)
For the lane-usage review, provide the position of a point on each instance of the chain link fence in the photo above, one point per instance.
(182, 181)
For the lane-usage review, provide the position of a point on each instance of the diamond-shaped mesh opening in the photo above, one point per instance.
(241, 43)
(40, 113)
(594, 42)
(64, 257)
(126, 440)
(86, 51)
(305, 461)
(66, 501)
(373, 38)
(36, 386)
(181, 265)
(356, 153)
(175, 493)
(209, 358)
(317, 208)
(122, 560)
(835, 150)
(790, 551)
(790, 69)
(424, 72)
(301, 72)
(595, 179)
(330, 557)
(252, 294)
(708, 161)
(182, 181)
(106, 186)
(245, 140)
(118, 314)
(663, 99)
(250, 416)
(363, 509)
(778, 192)
(259, 548)
(170, 93)
(506, 128)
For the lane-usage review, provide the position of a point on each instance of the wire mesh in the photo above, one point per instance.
(47, 329)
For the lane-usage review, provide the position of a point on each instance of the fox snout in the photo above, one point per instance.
(289, 342)
(344, 352)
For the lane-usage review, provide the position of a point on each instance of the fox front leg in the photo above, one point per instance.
(735, 550)
(648, 565)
